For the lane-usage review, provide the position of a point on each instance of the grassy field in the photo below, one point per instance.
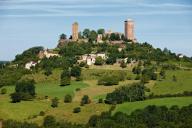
(168, 86)
(54, 90)
(20, 111)
(112, 67)
(29, 110)
(92, 74)
(49, 86)
(131, 106)
(95, 91)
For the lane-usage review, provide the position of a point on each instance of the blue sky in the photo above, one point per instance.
(28, 23)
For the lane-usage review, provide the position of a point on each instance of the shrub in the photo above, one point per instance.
(174, 78)
(99, 61)
(41, 113)
(49, 122)
(86, 66)
(108, 80)
(129, 78)
(55, 102)
(145, 79)
(100, 100)
(77, 110)
(65, 77)
(16, 97)
(48, 71)
(138, 77)
(85, 100)
(78, 78)
(77, 89)
(123, 64)
(82, 64)
(76, 71)
(68, 98)
(3, 91)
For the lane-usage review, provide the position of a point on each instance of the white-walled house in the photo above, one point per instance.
(30, 64)
(91, 58)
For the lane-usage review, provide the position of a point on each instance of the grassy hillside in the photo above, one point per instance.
(168, 86)
(131, 106)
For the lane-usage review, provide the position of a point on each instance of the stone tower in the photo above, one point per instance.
(75, 31)
(129, 29)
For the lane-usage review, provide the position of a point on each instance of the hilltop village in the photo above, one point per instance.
(97, 37)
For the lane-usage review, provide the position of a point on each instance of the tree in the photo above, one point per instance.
(162, 74)
(114, 36)
(101, 31)
(86, 33)
(24, 90)
(16, 97)
(77, 110)
(30, 54)
(76, 71)
(48, 71)
(108, 80)
(65, 77)
(130, 93)
(49, 122)
(123, 64)
(93, 36)
(85, 100)
(111, 60)
(63, 36)
(3, 91)
(145, 79)
(98, 61)
(68, 98)
(55, 102)
(174, 78)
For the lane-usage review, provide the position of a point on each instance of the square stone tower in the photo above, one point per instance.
(129, 29)
(75, 31)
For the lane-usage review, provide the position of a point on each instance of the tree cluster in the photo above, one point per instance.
(24, 90)
(149, 117)
(129, 93)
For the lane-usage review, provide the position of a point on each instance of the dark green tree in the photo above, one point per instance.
(65, 77)
(93, 36)
(49, 122)
(55, 102)
(99, 61)
(16, 97)
(85, 100)
(76, 71)
(63, 36)
(101, 31)
(86, 33)
(68, 98)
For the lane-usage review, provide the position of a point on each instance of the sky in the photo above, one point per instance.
(28, 23)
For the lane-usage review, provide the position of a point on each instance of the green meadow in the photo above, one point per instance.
(49, 86)
(168, 86)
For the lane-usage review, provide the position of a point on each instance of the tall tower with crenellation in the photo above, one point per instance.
(129, 30)
(75, 31)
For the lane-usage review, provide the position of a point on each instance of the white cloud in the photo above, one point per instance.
(23, 8)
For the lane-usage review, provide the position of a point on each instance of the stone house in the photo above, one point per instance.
(47, 53)
(90, 59)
